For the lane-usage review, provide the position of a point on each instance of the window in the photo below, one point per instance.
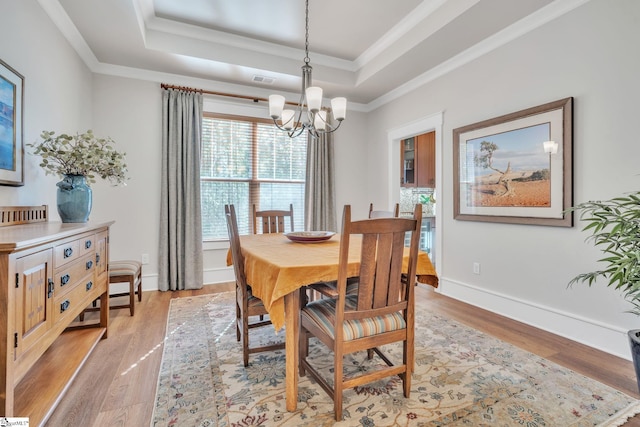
(245, 161)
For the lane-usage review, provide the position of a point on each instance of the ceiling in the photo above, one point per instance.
(367, 50)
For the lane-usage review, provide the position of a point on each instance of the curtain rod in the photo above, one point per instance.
(208, 92)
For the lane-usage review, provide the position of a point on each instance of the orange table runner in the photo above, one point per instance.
(276, 266)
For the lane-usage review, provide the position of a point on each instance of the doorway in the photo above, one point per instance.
(409, 195)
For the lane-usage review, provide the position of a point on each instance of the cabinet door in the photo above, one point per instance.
(34, 292)
(407, 162)
(102, 256)
(426, 160)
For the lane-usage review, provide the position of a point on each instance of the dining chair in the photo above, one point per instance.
(384, 214)
(247, 305)
(380, 313)
(273, 220)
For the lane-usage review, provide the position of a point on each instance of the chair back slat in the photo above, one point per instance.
(273, 220)
(382, 283)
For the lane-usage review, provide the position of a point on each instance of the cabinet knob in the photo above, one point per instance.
(89, 264)
(64, 305)
(68, 252)
(64, 279)
(89, 285)
(87, 244)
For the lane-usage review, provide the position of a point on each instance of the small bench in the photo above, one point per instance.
(120, 272)
(127, 271)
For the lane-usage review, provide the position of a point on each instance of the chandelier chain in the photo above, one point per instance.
(306, 40)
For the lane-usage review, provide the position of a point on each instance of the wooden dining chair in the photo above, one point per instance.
(247, 305)
(273, 220)
(384, 214)
(381, 312)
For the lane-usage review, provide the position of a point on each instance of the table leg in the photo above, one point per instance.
(292, 329)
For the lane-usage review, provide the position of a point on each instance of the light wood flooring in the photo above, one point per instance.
(117, 385)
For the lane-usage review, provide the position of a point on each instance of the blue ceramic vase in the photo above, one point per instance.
(74, 199)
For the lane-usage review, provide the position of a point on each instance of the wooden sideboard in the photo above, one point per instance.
(50, 272)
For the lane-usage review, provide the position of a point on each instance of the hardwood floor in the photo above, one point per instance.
(117, 385)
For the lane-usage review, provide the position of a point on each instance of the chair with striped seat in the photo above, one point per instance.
(379, 313)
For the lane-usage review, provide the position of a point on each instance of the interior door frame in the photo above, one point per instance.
(394, 136)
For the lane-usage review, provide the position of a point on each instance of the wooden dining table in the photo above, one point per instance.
(277, 268)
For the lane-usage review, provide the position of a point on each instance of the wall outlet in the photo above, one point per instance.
(145, 258)
(476, 268)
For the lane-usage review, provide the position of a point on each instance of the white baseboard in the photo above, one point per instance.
(608, 338)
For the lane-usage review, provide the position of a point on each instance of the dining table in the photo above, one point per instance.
(277, 268)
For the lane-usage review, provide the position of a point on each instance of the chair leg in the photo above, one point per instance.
(303, 350)
(337, 387)
(245, 340)
(237, 321)
(132, 296)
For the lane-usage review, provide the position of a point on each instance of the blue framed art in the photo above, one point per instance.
(11, 126)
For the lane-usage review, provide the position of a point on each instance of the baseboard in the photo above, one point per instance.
(607, 338)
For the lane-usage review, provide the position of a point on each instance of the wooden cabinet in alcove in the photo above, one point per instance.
(418, 161)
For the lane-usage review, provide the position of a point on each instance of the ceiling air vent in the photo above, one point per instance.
(263, 80)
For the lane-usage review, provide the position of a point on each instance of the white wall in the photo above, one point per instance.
(57, 91)
(591, 54)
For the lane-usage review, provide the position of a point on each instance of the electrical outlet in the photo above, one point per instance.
(476, 268)
(145, 258)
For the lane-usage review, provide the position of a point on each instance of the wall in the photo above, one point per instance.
(590, 54)
(57, 92)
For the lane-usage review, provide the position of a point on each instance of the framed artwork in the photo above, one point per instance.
(516, 168)
(11, 140)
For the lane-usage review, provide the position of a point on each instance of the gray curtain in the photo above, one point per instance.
(180, 251)
(320, 199)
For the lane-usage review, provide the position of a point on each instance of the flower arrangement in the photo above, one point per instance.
(81, 154)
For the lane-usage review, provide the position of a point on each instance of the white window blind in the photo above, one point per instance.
(246, 161)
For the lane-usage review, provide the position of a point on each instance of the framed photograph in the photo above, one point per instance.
(516, 168)
(11, 140)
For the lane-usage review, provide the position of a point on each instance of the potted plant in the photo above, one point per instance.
(79, 159)
(614, 227)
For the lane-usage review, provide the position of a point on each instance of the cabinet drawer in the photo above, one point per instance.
(66, 253)
(71, 302)
(87, 244)
(67, 277)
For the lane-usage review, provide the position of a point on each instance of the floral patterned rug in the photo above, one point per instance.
(462, 378)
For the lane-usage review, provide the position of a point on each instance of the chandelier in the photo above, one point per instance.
(308, 114)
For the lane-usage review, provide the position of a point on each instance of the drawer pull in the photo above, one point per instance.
(64, 279)
(87, 244)
(64, 305)
(89, 264)
(50, 287)
(89, 285)
(68, 252)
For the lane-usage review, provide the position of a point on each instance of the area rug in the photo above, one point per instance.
(462, 377)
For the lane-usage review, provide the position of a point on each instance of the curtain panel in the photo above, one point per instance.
(180, 251)
(320, 203)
